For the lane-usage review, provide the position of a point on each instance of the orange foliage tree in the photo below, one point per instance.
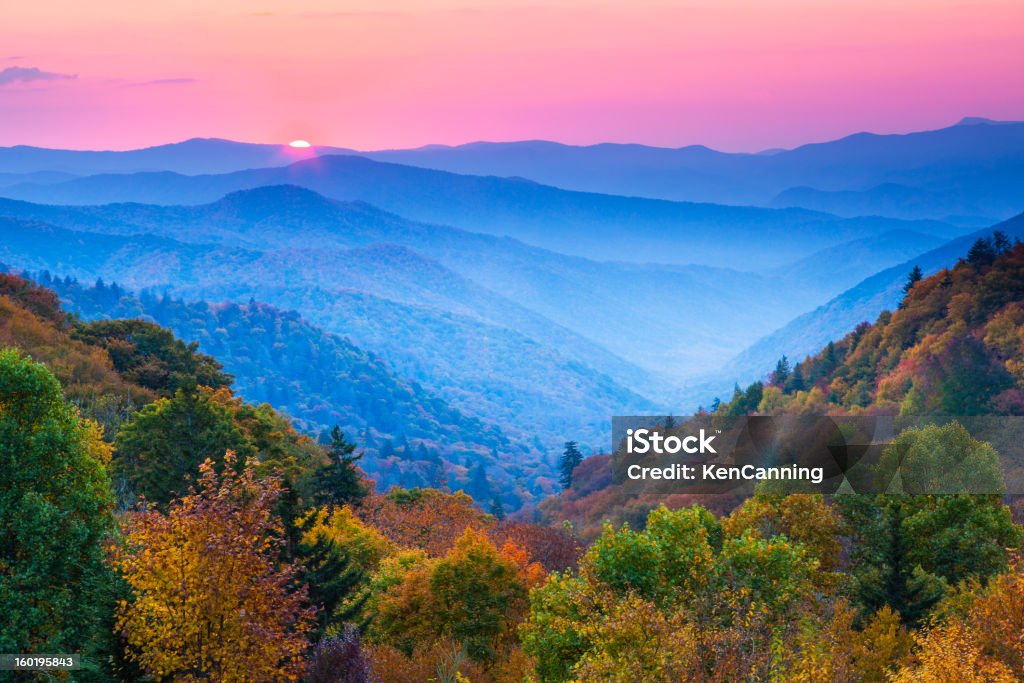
(425, 519)
(475, 595)
(210, 598)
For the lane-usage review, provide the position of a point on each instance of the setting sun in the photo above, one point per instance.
(299, 144)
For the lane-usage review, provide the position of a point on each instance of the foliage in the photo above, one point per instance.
(340, 481)
(427, 519)
(475, 595)
(211, 599)
(678, 574)
(320, 380)
(164, 443)
(802, 518)
(55, 509)
(150, 356)
(341, 659)
(952, 348)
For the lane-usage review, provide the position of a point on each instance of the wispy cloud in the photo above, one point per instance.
(170, 81)
(27, 74)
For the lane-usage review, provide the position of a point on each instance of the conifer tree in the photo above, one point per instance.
(571, 458)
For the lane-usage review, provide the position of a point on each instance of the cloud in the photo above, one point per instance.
(171, 81)
(26, 74)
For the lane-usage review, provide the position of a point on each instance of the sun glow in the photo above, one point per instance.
(299, 144)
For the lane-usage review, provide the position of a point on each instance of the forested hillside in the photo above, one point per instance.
(409, 436)
(452, 335)
(190, 535)
(953, 346)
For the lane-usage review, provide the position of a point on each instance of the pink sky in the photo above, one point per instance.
(732, 74)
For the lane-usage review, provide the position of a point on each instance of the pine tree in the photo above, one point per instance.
(912, 279)
(1000, 242)
(479, 485)
(571, 458)
(982, 253)
(497, 508)
(670, 423)
(781, 373)
(331, 577)
(796, 380)
(340, 482)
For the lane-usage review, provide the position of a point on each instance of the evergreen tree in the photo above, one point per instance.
(670, 423)
(781, 373)
(912, 279)
(479, 486)
(571, 458)
(982, 253)
(1001, 242)
(497, 508)
(340, 482)
(331, 577)
(796, 381)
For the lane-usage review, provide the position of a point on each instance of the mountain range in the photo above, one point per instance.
(535, 310)
(966, 173)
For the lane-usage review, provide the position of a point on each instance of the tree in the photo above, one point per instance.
(497, 509)
(912, 279)
(908, 550)
(341, 481)
(211, 598)
(677, 589)
(340, 660)
(55, 509)
(151, 356)
(781, 373)
(332, 577)
(982, 253)
(796, 381)
(475, 594)
(168, 439)
(426, 519)
(571, 458)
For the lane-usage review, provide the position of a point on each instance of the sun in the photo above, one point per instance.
(299, 144)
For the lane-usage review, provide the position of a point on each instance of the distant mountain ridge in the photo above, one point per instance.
(597, 226)
(628, 299)
(489, 371)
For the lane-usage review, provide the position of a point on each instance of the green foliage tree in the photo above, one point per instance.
(167, 440)
(151, 356)
(332, 578)
(571, 458)
(683, 572)
(340, 482)
(55, 509)
(908, 550)
(781, 372)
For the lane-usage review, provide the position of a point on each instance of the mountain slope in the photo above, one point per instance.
(597, 307)
(861, 303)
(317, 378)
(952, 347)
(488, 371)
(596, 226)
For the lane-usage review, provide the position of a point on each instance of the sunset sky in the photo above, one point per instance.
(732, 74)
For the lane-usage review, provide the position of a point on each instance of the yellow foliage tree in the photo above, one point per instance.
(211, 601)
